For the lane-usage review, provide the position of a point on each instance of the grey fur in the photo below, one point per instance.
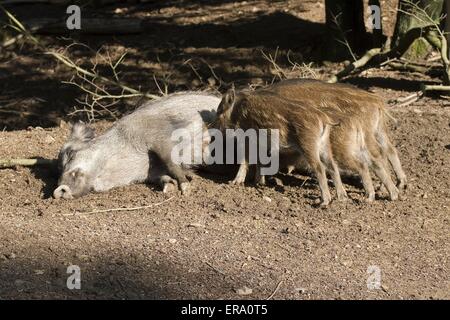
(136, 149)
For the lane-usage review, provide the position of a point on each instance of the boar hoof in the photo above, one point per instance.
(370, 198)
(321, 203)
(237, 182)
(324, 204)
(342, 196)
(185, 188)
(402, 185)
(168, 187)
(261, 181)
(394, 196)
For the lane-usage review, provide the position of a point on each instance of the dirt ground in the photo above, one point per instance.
(221, 238)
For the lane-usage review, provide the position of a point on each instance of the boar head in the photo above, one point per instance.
(74, 163)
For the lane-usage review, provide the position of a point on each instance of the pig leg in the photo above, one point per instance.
(377, 164)
(382, 174)
(174, 170)
(242, 173)
(243, 169)
(178, 173)
(318, 168)
(392, 155)
(328, 159)
(259, 178)
(167, 183)
(311, 144)
(390, 152)
(367, 182)
(319, 171)
(164, 181)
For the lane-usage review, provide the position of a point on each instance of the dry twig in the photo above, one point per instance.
(10, 163)
(118, 209)
(276, 290)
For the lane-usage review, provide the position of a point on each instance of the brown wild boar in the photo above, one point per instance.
(303, 132)
(363, 109)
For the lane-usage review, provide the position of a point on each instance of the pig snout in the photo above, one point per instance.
(62, 191)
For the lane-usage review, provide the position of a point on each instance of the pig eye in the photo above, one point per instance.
(70, 154)
(76, 174)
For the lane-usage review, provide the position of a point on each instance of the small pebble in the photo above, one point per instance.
(10, 256)
(300, 290)
(196, 225)
(244, 291)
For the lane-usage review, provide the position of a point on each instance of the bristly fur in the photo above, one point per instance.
(360, 113)
(303, 131)
(356, 120)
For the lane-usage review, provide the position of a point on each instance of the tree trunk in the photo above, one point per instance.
(345, 23)
(411, 20)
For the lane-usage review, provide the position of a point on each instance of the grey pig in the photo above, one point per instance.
(136, 149)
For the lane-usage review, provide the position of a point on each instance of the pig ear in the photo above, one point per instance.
(82, 132)
(229, 99)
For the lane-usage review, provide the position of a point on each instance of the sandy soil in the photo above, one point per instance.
(221, 238)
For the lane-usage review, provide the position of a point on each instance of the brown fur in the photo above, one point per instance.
(361, 140)
(303, 131)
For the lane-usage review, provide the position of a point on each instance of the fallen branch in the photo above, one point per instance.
(403, 102)
(117, 209)
(435, 88)
(407, 67)
(356, 64)
(10, 163)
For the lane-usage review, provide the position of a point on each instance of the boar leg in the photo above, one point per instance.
(333, 167)
(178, 173)
(392, 156)
(259, 178)
(367, 182)
(174, 170)
(318, 168)
(311, 149)
(378, 165)
(242, 173)
(382, 174)
(167, 183)
(390, 152)
(326, 155)
(320, 172)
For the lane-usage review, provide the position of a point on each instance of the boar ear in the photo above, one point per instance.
(82, 132)
(228, 99)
